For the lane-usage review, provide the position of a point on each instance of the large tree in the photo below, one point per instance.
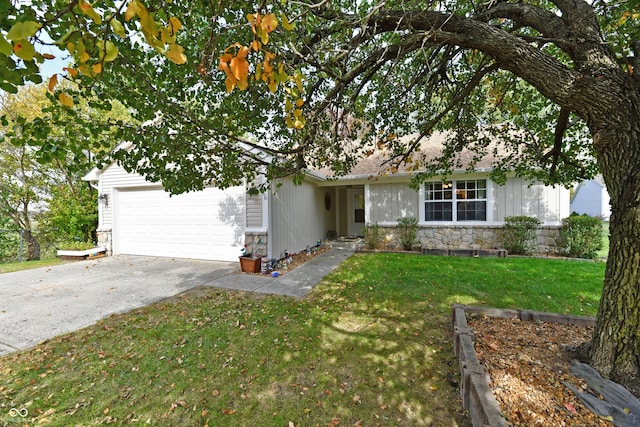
(231, 88)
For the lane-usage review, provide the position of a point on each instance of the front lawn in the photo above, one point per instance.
(9, 267)
(370, 346)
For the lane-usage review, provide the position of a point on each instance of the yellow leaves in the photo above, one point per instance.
(176, 54)
(628, 16)
(175, 24)
(157, 37)
(294, 115)
(236, 68)
(261, 26)
(65, 100)
(239, 64)
(117, 28)
(52, 82)
(269, 23)
(286, 24)
(132, 10)
(88, 10)
(110, 51)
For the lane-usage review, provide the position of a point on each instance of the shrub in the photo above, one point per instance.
(77, 246)
(581, 236)
(9, 244)
(407, 231)
(520, 237)
(372, 236)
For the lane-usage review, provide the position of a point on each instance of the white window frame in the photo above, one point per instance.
(489, 203)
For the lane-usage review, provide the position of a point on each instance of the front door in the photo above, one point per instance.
(355, 206)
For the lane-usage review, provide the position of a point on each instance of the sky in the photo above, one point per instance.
(52, 66)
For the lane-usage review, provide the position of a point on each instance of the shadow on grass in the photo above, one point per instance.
(369, 346)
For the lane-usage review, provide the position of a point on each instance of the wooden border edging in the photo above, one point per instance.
(477, 396)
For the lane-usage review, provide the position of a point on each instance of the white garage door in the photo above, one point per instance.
(206, 224)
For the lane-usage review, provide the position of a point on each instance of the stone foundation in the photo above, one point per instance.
(256, 242)
(469, 237)
(105, 240)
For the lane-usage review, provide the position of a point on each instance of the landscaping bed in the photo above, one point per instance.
(528, 368)
(284, 266)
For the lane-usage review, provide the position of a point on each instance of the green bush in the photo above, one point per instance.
(72, 216)
(372, 236)
(581, 236)
(520, 236)
(407, 231)
(77, 246)
(9, 245)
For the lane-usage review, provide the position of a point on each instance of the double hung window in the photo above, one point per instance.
(456, 200)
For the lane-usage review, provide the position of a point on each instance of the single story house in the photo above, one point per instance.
(592, 198)
(466, 211)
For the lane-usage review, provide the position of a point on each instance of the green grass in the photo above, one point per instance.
(604, 252)
(27, 265)
(369, 346)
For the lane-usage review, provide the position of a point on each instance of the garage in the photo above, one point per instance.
(207, 224)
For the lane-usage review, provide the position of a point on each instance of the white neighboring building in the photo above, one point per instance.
(592, 198)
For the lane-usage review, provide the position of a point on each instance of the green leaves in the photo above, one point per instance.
(23, 30)
(5, 46)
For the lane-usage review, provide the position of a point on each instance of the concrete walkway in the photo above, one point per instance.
(39, 304)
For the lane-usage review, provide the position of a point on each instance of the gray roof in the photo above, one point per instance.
(376, 162)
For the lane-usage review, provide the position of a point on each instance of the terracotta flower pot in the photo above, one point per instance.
(249, 264)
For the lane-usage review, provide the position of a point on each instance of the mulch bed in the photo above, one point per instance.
(296, 260)
(528, 362)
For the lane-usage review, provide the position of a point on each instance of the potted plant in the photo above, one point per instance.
(250, 262)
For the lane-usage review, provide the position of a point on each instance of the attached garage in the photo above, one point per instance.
(207, 224)
(143, 219)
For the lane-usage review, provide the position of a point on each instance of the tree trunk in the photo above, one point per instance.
(33, 246)
(615, 346)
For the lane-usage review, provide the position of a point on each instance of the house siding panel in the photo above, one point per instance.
(388, 202)
(519, 197)
(298, 217)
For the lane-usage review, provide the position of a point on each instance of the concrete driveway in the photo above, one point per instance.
(38, 304)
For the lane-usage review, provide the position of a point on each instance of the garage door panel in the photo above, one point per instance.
(208, 224)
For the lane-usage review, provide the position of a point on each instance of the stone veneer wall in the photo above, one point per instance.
(257, 242)
(105, 239)
(470, 237)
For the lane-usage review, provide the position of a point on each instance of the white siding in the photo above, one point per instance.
(591, 198)
(519, 197)
(298, 217)
(116, 177)
(388, 202)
